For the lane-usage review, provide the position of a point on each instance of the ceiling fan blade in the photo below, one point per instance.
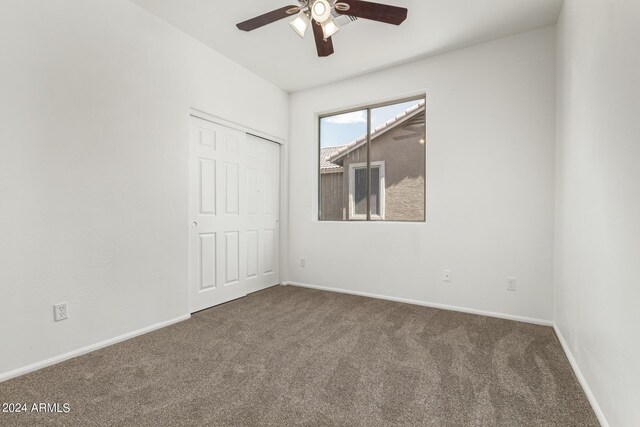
(374, 11)
(268, 18)
(324, 47)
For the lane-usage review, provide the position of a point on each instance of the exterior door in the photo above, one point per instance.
(229, 214)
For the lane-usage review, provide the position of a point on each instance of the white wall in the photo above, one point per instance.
(490, 189)
(94, 104)
(597, 274)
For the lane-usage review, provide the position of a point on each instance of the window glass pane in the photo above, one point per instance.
(360, 193)
(341, 144)
(375, 190)
(398, 145)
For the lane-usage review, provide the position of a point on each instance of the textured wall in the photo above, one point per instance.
(332, 197)
(405, 169)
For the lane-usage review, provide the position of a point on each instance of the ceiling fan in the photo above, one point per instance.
(320, 13)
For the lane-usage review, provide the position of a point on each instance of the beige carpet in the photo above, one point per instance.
(293, 356)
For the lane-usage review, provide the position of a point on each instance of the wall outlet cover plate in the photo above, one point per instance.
(60, 311)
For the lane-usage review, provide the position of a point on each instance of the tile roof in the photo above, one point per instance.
(327, 152)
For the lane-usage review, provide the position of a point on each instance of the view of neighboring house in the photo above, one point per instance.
(398, 158)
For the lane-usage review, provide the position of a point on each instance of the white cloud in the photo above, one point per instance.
(349, 118)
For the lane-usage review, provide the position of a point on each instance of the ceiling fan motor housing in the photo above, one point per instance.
(321, 10)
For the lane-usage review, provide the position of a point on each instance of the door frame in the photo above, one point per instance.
(283, 229)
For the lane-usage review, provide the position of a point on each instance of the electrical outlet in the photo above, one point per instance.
(446, 275)
(511, 283)
(60, 311)
(303, 262)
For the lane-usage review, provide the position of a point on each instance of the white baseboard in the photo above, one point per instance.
(583, 382)
(429, 304)
(75, 353)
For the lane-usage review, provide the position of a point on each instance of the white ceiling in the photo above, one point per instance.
(277, 54)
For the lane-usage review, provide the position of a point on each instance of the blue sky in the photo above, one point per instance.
(344, 128)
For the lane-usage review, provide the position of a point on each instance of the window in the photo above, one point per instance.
(372, 163)
(358, 190)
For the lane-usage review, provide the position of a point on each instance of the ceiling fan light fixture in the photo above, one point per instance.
(329, 28)
(321, 10)
(300, 24)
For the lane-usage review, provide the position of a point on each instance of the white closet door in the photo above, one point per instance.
(263, 203)
(233, 207)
